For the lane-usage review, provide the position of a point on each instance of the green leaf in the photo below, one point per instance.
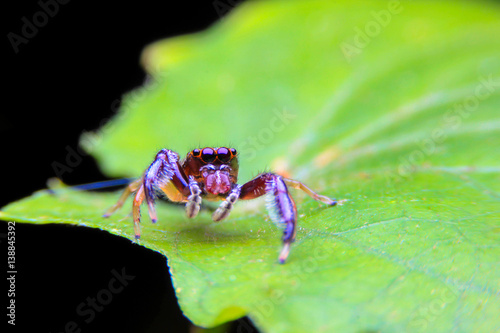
(391, 106)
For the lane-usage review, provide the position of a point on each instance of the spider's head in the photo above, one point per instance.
(218, 168)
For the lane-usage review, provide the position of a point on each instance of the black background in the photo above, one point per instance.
(64, 80)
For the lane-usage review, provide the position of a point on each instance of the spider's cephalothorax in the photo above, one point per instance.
(212, 174)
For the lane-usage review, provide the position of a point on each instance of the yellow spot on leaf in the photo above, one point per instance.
(281, 166)
(326, 157)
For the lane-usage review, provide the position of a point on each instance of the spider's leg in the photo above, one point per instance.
(301, 186)
(194, 200)
(280, 205)
(225, 207)
(164, 175)
(132, 187)
(157, 171)
(136, 211)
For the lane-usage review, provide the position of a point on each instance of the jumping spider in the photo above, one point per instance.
(212, 173)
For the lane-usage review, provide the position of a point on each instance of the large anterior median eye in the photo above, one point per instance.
(223, 154)
(208, 155)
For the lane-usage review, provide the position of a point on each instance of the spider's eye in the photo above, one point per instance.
(208, 155)
(223, 154)
(233, 152)
(196, 152)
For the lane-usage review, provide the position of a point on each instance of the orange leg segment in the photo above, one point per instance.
(301, 186)
(132, 187)
(136, 211)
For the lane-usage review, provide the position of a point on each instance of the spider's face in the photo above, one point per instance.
(217, 168)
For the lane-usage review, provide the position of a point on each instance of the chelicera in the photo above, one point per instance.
(212, 174)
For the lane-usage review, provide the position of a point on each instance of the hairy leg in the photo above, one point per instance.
(225, 207)
(280, 205)
(163, 175)
(194, 200)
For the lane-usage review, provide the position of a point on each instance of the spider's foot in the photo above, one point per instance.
(284, 253)
(222, 212)
(325, 200)
(109, 212)
(137, 230)
(193, 207)
(225, 207)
